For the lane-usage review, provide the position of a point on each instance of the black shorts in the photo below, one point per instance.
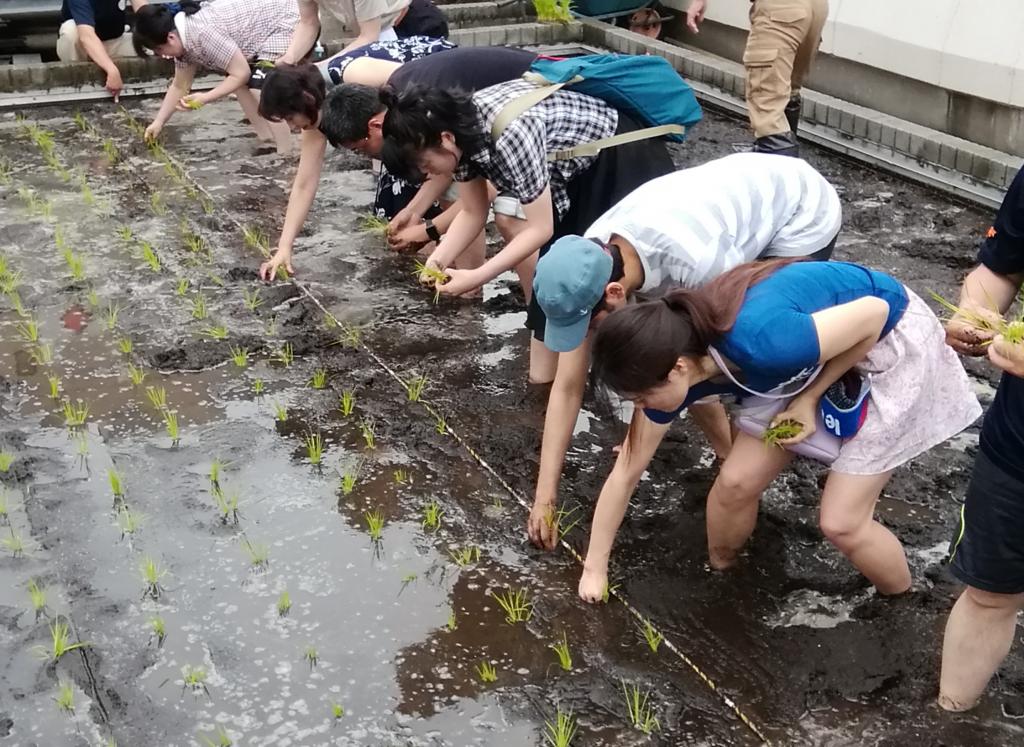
(987, 551)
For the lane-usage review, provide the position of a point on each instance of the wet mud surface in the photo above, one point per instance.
(394, 631)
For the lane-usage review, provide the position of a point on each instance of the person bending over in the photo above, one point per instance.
(97, 30)
(373, 20)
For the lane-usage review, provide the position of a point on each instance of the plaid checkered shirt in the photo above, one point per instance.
(259, 29)
(517, 162)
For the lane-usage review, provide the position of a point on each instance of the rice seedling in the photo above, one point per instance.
(608, 590)
(311, 656)
(373, 223)
(76, 266)
(151, 573)
(41, 354)
(195, 243)
(314, 448)
(781, 432)
(5, 171)
(222, 737)
(347, 402)
(561, 649)
(116, 484)
(351, 336)
(111, 314)
(486, 672)
(227, 505)
(65, 697)
(171, 425)
(453, 622)
(562, 731)
(207, 206)
(157, 397)
(149, 256)
(126, 234)
(215, 278)
(441, 425)
(28, 330)
(639, 710)
(9, 287)
(82, 446)
(37, 595)
(369, 437)
(256, 238)
(401, 477)
(60, 642)
(271, 327)
(6, 460)
(375, 524)
(159, 629)
(182, 287)
(5, 515)
(193, 104)
(258, 386)
(348, 480)
(157, 203)
(92, 299)
(465, 556)
(432, 514)
(111, 151)
(88, 197)
(197, 307)
(516, 604)
(258, 554)
(215, 332)
(128, 521)
(285, 355)
(319, 379)
(433, 274)
(284, 603)
(194, 679)
(652, 635)
(414, 388)
(136, 373)
(280, 412)
(15, 544)
(75, 414)
(337, 711)
(125, 345)
(81, 122)
(252, 299)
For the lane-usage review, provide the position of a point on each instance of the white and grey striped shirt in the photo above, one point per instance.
(690, 226)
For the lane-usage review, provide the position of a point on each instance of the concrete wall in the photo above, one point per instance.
(953, 65)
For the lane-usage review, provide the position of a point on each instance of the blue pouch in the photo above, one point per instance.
(845, 405)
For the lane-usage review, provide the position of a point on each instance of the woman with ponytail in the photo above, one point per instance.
(226, 36)
(772, 326)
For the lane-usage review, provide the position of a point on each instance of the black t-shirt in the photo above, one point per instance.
(423, 18)
(106, 16)
(1002, 433)
(465, 68)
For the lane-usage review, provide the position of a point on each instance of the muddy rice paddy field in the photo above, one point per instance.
(236, 498)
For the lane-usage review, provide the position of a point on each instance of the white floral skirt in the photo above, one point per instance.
(920, 395)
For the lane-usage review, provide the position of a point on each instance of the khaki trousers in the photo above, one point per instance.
(69, 50)
(784, 38)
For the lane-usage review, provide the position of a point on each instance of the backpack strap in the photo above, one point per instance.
(717, 358)
(596, 146)
(517, 106)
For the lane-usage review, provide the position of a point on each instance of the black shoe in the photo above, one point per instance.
(792, 112)
(782, 144)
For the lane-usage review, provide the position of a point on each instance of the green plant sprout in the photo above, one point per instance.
(65, 697)
(76, 266)
(116, 484)
(441, 425)
(81, 122)
(37, 595)
(258, 554)
(82, 446)
(369, 437)
(60, 642)
(781, 432)
(432, 514)
(337, 711)
(151, 574)
(319, 379)
(88, 196)
(314, 448)
(375, 524)
(641, 713)
(126, 234)
(5, 516)
(6, 460)
(207, 205)
(157, 203)
(223, 739)
(92, 299)
(128, 521)
(608, 590)
(215, 467)
(453, 623)
(438, 277)
(75, 414)
(562, 731)
(110, 315)
(182, 287)
(311, 657)
(284, 603)
(171, 424)
(125, 345)
(414, 388)
(373, 223)
(5, 170)
(271, 327)
(486, 672)
(227, 505)
(198, 307)
(252, 299)
(348, 480)
(28, 330)
(110, 150)
(159, 629)
(280, 412)
(561, 649)
(285, 355)
(194, 679)
(401, 477)
(351, 336)
(149, 256)
(256, 238)
(137, 374)
(652, 635)
(465, 556)
(157, 397)
(42, 354)
(258, 386)
(347, 402)
(15, 544)
(516, 604)
(215, 332)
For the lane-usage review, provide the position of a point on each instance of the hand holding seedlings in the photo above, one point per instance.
(282, 258)
(593, 584)
(192, 102)
(460, 282)
(794, 424)
(1007, 355)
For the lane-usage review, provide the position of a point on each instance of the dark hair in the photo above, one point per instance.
(636, 347)
(292, 89)
(345, 116)
(154, 22)
(418, 116)
(618, 272)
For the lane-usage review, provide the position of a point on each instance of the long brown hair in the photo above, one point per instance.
(636, 347)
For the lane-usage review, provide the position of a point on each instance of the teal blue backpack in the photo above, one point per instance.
(644, 87)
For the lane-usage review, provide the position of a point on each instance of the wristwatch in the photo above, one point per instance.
(432, 233)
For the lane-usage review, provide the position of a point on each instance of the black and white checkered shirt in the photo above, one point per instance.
(517, 162)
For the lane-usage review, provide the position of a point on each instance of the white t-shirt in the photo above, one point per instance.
(351, 11)
(690, 226)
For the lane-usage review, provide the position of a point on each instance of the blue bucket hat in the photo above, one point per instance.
(569, 281)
